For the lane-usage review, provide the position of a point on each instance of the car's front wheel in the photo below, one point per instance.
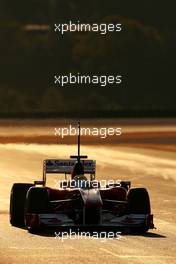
(17, 203)
(37, 202)
(139, 203)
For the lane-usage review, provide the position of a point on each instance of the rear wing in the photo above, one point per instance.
(66, 166)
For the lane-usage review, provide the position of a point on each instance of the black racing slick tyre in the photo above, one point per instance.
(17, 203)
(139, 203)
(37, 202)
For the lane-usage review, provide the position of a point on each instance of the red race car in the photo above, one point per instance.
(79, 201)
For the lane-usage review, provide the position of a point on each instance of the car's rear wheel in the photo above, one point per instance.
(37, 202)
(139, 203)
(17, 203)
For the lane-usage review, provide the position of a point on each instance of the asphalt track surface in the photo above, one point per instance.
(152, 168)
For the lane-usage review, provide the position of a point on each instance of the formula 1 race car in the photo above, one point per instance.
(78, 202)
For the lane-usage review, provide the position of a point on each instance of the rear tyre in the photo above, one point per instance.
(139, 203)
(17, 203)
(37, 202)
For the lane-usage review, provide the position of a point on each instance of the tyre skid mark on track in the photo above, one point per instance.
(38, 248)
(134, 256)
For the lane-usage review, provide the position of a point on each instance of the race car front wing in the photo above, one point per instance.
(107, 220)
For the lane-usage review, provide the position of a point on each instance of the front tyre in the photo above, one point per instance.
(139, 203)
(37, 202)
(17, 203)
